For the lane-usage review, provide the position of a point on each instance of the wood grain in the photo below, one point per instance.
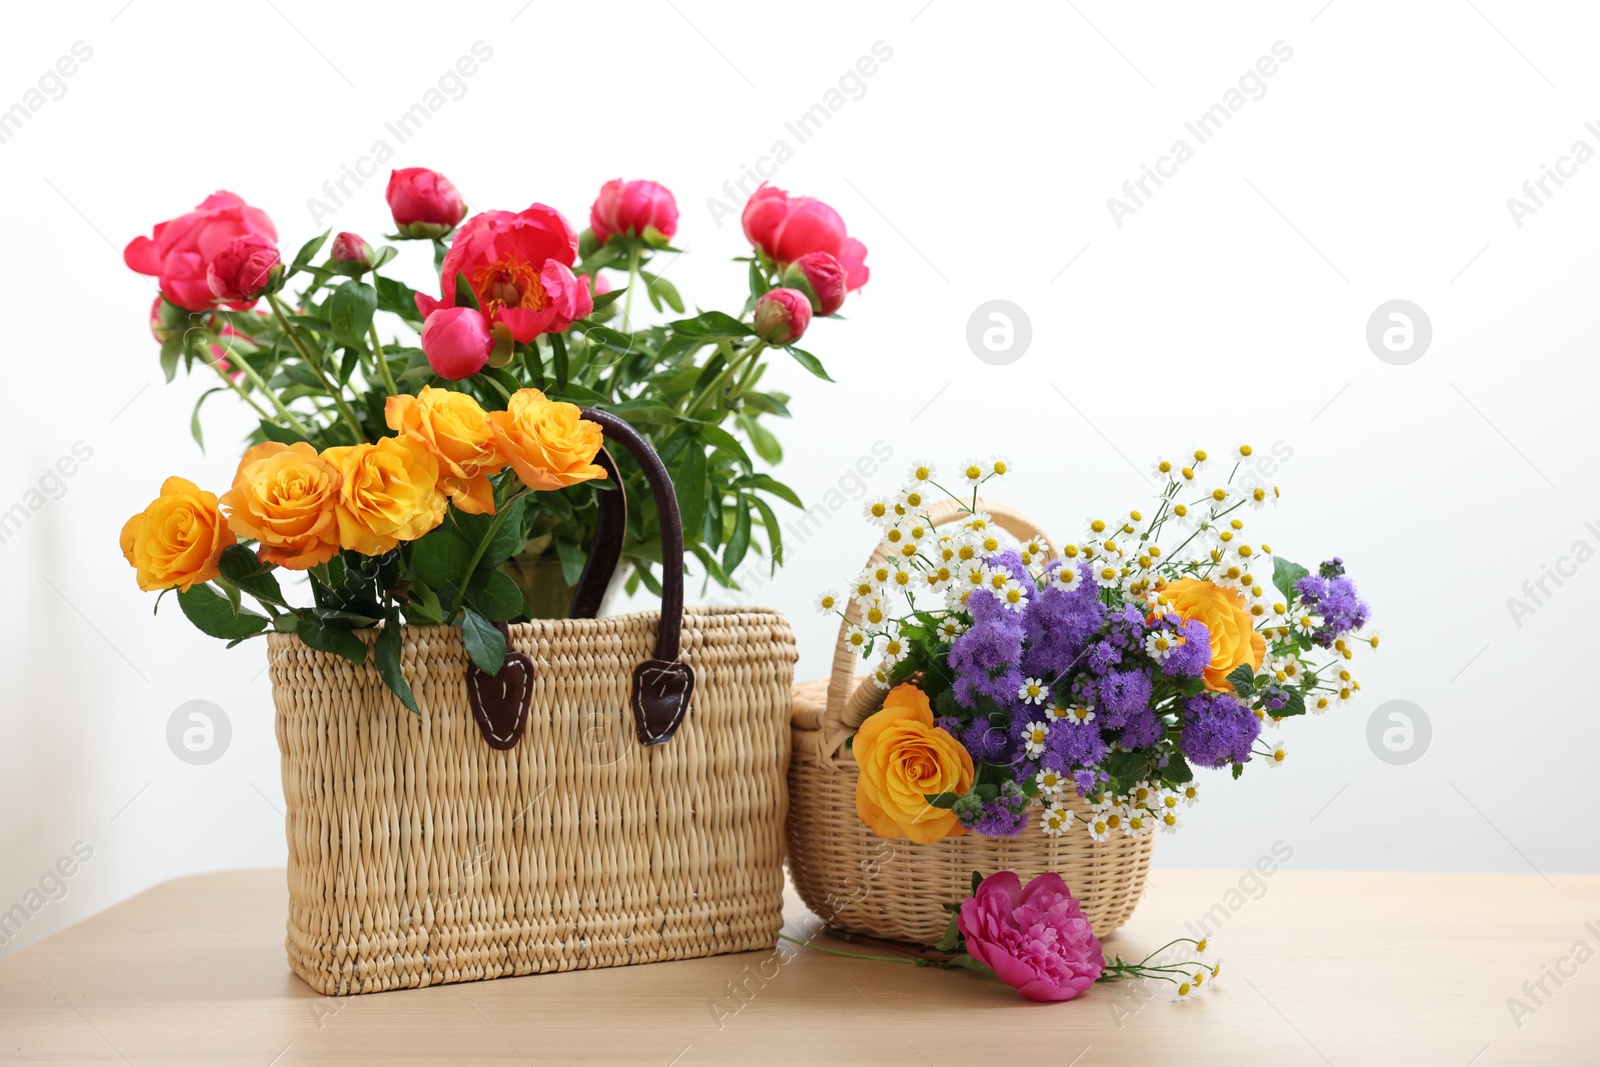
(1320, 968)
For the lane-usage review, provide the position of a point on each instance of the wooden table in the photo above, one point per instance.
(1321, 968)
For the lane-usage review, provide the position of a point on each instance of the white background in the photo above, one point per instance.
(976, 166)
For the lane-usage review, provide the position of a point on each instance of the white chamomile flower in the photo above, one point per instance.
(1051, 784)
(1185, 516)
(1279, 754)
(974, 575)
(1060, 712)
(1159, 645)
(1164, 468)
(921, 472)
(858, 639)
(1190, 793)
(946, 549)
(1056, 821)
(1033, 738)
(894, 536)
(916, 530)
(1107, 575)
(1033, 691)
(986, 542)
(880, 676)
(1243, 453)
(1284, 668)
(912, 500)
(1143, 795)
(1097, 826)
(1034, 550)
(880, 574)
(874, 611)
(1200, 461)
(1013, 596)
(1067, 576)
(1167, 800)
(827, 602)
(1261, 496)
(1184, 990)
(1168, 821)
(1137, 823)
(895, 649)
(938, 577)
(1318, 703)
(1116, 818)
(879, 511)
(1081, 714)
(1305, 621)
(901, 578)
(864, 586)
(977, 522)
(999, 466)
(1095, 529)
(1220, 496)
(973, 471)
(951, 628)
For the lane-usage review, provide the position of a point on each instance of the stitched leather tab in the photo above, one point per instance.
(500, 703)
(661, 693)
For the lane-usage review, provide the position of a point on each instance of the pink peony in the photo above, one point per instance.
(634, 208)
(821, 277)
(782, 316)
(423, 202)
(179, 251)
(350, 254)
(242, 269)
(853, 258)
(457, 342)
(1034, 939)
(519, 266)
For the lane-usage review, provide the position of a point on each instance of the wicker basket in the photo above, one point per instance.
(434, 848)
(894, 889)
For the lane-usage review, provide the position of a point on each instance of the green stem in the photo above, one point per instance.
(750, 368)
(383, 364)
(736, 361)
(287, 415)
(231, 384)
(337, 395)
(850, 955)
(483, 546)
(633, 279)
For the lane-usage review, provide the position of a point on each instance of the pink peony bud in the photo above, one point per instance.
(787, 227)
(423, 202)
(635, 208)
(782, 316)
(244, 269)
(820, 277)
(457, 342)
(351, 255)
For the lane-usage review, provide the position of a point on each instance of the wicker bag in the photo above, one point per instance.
(576, 810)
(895, 889)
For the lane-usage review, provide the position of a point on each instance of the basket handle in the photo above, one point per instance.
(849, 702)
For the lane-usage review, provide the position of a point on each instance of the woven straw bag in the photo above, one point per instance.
(576, 810)
(895, 889)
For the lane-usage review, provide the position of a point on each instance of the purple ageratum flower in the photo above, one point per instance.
(1142, 729)
(1006, 815)
(1103, 656)
(1218, 730)
(1058, 624)
(1071, 745)
(987, 658)
(948, 723)
(1087, 781)
(1334, 597)
(985, 742)
(1193, 656)
(1122, 693)
(1127, 627)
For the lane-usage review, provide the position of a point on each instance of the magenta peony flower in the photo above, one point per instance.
(1034, 939)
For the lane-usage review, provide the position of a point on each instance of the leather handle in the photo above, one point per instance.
(663, 685)
(606, 552)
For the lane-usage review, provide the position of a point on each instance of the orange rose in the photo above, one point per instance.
(390, 494)
(547, 442)
(1233, 635)
(904, 759)
(177, 540)
(456, 430)
(283, 496)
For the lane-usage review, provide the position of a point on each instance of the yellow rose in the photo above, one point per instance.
(1233, 635)
(456, 430)
(547, 442)
(390, 494)
(284, 496)
(904, 759)
(177, 540)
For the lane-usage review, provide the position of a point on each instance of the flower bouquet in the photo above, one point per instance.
(411, 448)
(1053, 704)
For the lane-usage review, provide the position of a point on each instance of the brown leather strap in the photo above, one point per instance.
(662, 686)
(606, 552)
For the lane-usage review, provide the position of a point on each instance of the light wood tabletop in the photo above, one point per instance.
(1319, 968)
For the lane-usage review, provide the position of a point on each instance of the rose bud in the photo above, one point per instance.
(424, 203)
(782, 316)
(245, 268)
(457, 342)
(637, 208)
(351, 255)
(820, 277)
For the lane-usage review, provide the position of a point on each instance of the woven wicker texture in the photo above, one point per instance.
(896, 889)
(419, 855)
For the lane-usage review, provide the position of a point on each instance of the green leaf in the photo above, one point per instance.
(465, 297)
(1243, 678)
(762, 439)
(725, 442)
(194, 418)
(572, 559)
(1296, 705)
(977, 880)
(774, 532)
(397, 299)
(558, 359)
(758, 280)
(350, 309)
(809, 362)
(1238, 769)
(605, 300)
(171, 349)
(495, 596)
(1126, 767)
(1178, 769)
(241, 567)
(440, 558)
(712, 324)
(663, 290)
(645, 412)
(281, 434)
(214, 616)
(691, 487)
(739, 539)
(942, 800)
(485, 644)
(969, 963)
(952, 936)
(509, 538)
(1285, 575)
(386, 654)
(307, 250)
(769, 484)
(325, 638)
